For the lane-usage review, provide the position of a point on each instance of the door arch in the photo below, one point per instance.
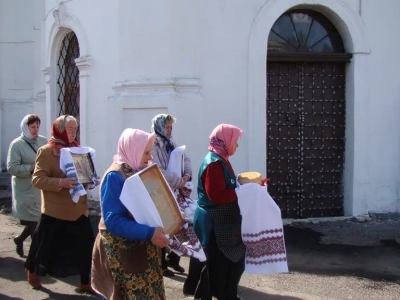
(306, 115)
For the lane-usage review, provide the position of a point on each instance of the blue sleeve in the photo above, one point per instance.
(115, 213)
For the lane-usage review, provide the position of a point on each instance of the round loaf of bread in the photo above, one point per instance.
(248, 177)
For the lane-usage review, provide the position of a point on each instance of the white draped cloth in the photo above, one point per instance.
(185, 242)
(137, 200)
(262, 230)
(175, 165)
(68, 167)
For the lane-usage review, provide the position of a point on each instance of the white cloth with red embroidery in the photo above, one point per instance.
(262, 230)
(185, 242)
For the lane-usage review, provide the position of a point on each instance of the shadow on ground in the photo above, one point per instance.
(306, 254)
(59, 296)
(5, 297)
(247, 293)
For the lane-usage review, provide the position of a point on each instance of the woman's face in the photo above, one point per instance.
(235, 146)
(147, 154)
(34, 129)
(168, 129)
(71, 127)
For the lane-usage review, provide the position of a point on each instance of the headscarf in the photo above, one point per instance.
(158, 126)
(131, 146)
(25, 128)
(223, 139)
(59, 136)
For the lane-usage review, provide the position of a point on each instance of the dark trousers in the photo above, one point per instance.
(172, 257)
(218, 276)
(197, 281)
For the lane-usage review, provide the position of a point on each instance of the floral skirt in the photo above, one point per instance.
(135, 266)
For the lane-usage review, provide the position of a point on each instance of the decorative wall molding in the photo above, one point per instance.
(62, 24)
(168, 83)
(46, 73)
(39, 97)
(153, 87)
(83, 64)
(14, 101)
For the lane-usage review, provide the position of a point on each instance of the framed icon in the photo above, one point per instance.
(84, 167)
(163, 199)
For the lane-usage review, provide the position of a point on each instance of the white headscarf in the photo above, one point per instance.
(25, 128)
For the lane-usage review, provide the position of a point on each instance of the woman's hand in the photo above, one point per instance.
(159, 239)
(68, 183)
(185, 179)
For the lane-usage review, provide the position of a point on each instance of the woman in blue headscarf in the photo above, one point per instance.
(163, 146)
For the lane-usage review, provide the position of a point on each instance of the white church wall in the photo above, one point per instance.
(17, 43)
(203, 62)
(383, 102)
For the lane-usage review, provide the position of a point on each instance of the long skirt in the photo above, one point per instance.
(61, 248)
(126, 269)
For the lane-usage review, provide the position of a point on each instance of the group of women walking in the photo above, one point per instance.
(126, 260)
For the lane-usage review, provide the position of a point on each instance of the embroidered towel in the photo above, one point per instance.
(68, 167)
(185, 242)
(262, 230)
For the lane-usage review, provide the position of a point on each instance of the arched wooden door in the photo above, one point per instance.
(306, 115)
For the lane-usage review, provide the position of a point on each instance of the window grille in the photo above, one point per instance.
(68, 77)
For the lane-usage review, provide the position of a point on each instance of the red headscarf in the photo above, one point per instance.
(223, 139)
(59, 136)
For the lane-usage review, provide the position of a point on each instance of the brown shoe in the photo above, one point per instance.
(87, 288)
(33, 280)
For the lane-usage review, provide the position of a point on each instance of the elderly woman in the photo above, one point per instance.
(20, 164)
(63, 241)
(163, 146)
(126, 256)
(217, 220)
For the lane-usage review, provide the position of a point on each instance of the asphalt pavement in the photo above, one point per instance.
(354, 258)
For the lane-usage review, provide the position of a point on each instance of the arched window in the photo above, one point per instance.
(304, 31)
(68, 78)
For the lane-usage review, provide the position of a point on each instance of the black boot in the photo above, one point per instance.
(19, 246)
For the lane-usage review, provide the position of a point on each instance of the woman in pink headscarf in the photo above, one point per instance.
(217, 221)
(126, 256)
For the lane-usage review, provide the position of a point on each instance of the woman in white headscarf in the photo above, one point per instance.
(20, 164)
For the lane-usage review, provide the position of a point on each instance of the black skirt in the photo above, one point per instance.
(27, 223)
(61, 248)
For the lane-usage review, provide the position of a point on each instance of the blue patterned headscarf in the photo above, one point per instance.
(158, 126)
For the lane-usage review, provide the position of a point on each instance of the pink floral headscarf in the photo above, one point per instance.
(223, 139)
(131, 146)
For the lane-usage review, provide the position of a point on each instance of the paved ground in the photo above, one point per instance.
(328, 259)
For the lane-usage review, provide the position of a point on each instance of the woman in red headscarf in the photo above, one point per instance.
(63, 240)
(217, 220)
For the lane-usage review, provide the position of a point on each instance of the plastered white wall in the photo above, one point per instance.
(196, 60)
(18, 40)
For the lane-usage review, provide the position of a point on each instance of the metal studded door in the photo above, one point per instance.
(305, 137)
